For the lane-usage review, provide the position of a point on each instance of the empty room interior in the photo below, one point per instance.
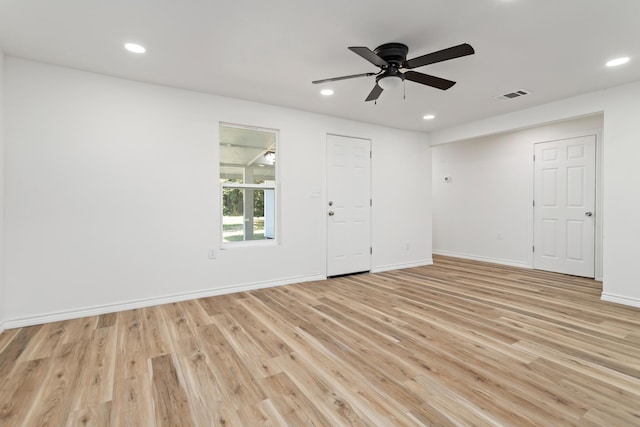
(326, 213)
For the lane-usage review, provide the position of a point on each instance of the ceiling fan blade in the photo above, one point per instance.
(369, 55)
(439, 56)
(375, 93)
(335, 79)
(428, 80)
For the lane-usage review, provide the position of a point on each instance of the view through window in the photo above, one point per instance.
(248, 183)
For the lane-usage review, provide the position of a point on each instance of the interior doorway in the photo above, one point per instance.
(348, 207)
(565, 206)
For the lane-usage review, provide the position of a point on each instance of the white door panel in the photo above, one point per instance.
(549, 246)
(575, 240)
(564, 224)
(349, 212)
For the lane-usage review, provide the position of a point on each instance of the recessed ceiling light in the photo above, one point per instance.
(429, 117)
(617, 61)
(135, 48)
(327, 92)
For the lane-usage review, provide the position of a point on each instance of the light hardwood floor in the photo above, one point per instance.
(456, 343)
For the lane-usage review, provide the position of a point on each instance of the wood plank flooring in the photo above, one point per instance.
(456, 343)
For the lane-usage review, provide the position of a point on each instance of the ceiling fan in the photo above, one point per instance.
(391, 58)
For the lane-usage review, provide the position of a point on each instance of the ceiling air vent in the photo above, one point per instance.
(514, 94)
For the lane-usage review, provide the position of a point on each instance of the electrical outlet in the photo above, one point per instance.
(211, 253)
(499, 235)
(407, 247)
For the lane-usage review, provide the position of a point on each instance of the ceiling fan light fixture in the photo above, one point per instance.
(429, 117)
(390, 82)
(270, 156)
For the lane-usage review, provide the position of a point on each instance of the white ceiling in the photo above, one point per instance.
(270, 51)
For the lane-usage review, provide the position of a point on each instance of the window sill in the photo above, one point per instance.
(249, 244)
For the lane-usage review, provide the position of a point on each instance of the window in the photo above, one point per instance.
(248, 183)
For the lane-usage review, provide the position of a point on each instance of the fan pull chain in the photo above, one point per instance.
(404, 89)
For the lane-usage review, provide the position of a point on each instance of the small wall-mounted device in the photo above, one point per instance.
(447, 179)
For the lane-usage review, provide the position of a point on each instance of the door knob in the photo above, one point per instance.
(330, 203)
(331, 213)
(588, 213)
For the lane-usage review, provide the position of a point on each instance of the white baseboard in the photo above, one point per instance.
(484, 259)
(147, 302)
(619, 299)
(390, 267)
(2, 327)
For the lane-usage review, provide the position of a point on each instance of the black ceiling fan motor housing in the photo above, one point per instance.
(393, 53)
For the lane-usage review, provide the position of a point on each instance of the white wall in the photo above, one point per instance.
(621, 149)
(112, 194)
(622, 195)
(401, 204)
(2, 300)
(490, 192)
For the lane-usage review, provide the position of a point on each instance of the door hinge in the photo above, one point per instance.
(534, 157)
(370, 202)
(533, 248)
(370, 250)
(370, 154)
(534, 203)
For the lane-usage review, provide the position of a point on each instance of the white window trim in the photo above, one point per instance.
(275, 187)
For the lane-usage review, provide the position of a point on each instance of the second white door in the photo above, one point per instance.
(348, 205)
(564, 206)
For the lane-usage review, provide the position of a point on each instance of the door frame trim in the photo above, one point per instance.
(599, 206)
(325, 196)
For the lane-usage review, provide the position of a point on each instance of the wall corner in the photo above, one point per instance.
(2, 168)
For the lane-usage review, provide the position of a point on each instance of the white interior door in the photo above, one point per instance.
(348, 205)
(564, 206)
